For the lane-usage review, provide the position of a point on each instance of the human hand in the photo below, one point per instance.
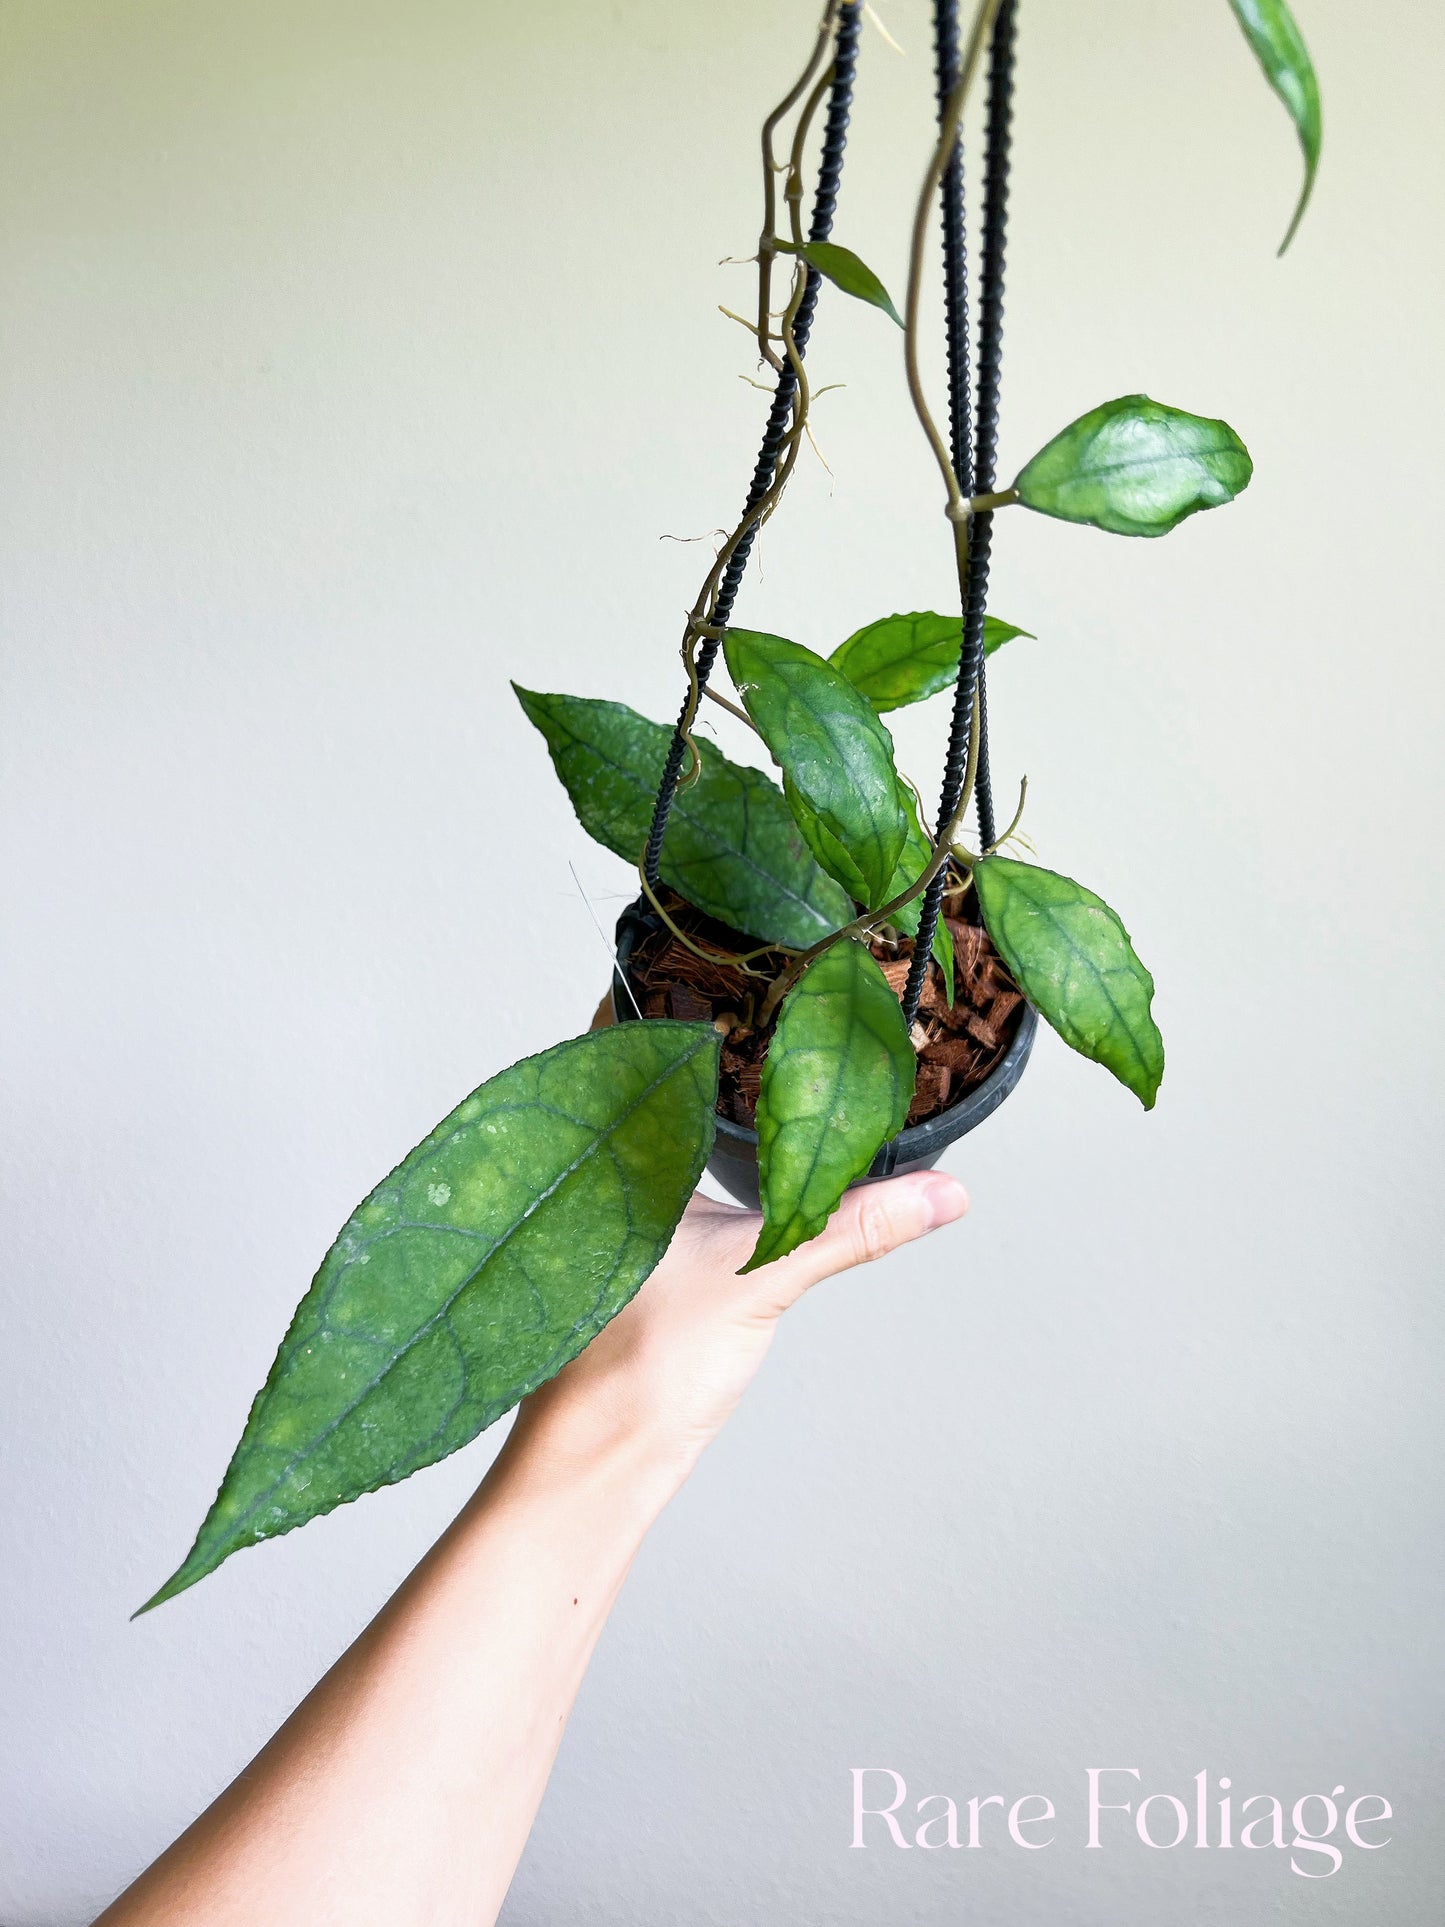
(670, 1368)
(365, 1806)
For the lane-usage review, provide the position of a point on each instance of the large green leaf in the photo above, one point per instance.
(1136, 467)
(486, 1261)
(1270, 29)
(846, 271)
(902, 659)
(731, 847)
(1072, 958)
(833, 750)
(837, 1083)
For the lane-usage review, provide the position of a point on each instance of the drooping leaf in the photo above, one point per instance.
(1136, 467)
(489, 1258)
(731, 848)
(824, 845)
(943, 957)
(1072, 958)
(903, 659)
(914, 861)
(843, 268)
(911, 864)
(837, 1082)
(833, 750)
(1279, 46)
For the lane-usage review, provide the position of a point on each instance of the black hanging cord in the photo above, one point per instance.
(825, 203)
(990, 354)
(984, 439)
(955, 259)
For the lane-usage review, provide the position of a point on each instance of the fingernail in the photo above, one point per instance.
(944, 1200)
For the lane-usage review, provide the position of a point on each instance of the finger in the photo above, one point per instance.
(871, 1221)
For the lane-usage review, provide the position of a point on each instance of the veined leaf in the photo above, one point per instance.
(843, 268)
(825, 846)
(911, 864)
(1136, 467)
(731, 848)
(914, 861)
(486, 1261)
(831, 747)
(903, 659)
(1072, 958)
(837, 1082)
(1270, 29)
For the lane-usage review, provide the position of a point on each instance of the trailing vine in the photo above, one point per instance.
(813, 907)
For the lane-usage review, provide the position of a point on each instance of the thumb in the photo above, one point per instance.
(871, 1221)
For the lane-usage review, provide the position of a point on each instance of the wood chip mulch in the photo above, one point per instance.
(958, 1045)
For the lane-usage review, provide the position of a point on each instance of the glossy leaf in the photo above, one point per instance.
(837, 1082)
(731, 848)
(1072, 958)
(835, 754)
(843, 268)
(486, 1261)
(903, 659)
(1136, 467)
(914, 861)
(911, 864)
(825, 846)
(1270, 29)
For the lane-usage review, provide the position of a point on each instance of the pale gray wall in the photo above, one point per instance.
(355, 358)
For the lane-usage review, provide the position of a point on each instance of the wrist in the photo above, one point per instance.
(593, 1438)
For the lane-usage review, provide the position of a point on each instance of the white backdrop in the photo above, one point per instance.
(357, 357)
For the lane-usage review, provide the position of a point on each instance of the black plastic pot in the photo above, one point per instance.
(918, 1147)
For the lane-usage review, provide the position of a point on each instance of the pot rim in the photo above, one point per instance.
(914, 1140)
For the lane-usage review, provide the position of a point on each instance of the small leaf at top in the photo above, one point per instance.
(731, 848)
(486, 1261)
(843, 268)
(903, 659)
(1136, 467)
(1279, 46)
(837, 1082)
(1072, 958)
(831, 747)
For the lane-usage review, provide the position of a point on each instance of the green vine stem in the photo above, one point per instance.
(708, 956)
(704, 607)
(771, 170)
(959, 509)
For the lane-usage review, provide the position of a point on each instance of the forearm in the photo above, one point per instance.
(400, 1792)
(403, 1788)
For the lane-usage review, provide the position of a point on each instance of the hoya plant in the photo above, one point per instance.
(826, 974)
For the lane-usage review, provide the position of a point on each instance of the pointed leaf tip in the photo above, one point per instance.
(836, 757)
(846, 271)
(1071, 956)
(837, 1083)
(904, 659)
(732, 847)
(1272, 32)
(486, 1261)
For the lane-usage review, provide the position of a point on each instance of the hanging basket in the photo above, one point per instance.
(734, 1159)
(973, 405)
